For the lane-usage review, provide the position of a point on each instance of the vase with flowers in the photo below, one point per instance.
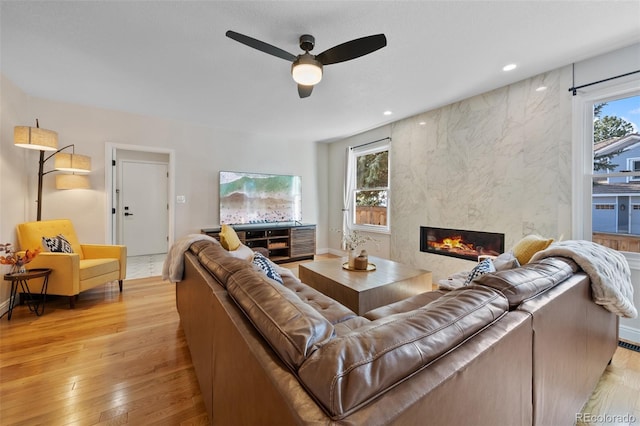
(351, 240)
(15, 259)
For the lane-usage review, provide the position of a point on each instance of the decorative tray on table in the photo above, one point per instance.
(370, 267)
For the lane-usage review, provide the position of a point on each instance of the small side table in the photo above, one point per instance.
(21, 279)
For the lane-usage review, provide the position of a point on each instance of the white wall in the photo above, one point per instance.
(336, 167)
(201, 153)
(13, 179)
(497, 162)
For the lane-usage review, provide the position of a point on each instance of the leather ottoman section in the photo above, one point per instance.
(527, 281)
(406, 305)
(293, 329)
(349, 371)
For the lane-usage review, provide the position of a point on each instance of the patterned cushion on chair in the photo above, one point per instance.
(57, 244)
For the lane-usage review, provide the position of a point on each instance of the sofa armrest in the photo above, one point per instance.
(65, 275)
(102, 251)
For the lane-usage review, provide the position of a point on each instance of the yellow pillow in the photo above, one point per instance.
(228, 238)
(528, 246)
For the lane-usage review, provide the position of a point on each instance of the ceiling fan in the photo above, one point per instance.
(306, 69)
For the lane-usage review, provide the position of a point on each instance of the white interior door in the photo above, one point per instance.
(144, 207)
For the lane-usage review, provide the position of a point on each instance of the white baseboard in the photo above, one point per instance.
(629, 334)
(4, 307)
(337, 252)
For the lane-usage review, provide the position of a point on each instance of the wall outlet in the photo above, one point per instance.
(181, 199)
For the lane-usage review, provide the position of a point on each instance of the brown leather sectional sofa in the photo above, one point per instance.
(520, 347)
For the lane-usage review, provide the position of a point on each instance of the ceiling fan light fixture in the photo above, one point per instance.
(306, 70)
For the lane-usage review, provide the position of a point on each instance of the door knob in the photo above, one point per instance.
(128, 214)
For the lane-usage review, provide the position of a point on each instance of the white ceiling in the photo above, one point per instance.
(171, 59)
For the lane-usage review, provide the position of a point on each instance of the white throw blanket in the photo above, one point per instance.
(173, 267)
(607, 269)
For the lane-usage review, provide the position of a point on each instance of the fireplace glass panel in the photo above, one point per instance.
(463, 244)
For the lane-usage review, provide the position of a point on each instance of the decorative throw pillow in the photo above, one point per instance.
(528, 246)
(228, 238)
(481, 268)
(267, 267)
(57, 244)
(506, 261)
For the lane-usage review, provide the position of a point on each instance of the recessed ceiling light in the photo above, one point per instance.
(387, 112)
(509, 67)
(541, 89)
(423, 123)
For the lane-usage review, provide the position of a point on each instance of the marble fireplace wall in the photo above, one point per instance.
(496, 162)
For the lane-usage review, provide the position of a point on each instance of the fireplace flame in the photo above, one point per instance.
(451, 243)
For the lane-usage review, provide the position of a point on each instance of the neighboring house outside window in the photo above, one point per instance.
(613, 197)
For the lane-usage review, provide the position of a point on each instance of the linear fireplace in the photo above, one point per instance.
(460, 243)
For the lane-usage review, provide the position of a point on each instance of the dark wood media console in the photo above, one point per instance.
(285, 243)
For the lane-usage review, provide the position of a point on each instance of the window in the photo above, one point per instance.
(634, 166)
(604, 207)
(607, 167)
(371, 187)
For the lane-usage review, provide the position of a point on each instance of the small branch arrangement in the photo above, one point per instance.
(353, 239)
(11, 257)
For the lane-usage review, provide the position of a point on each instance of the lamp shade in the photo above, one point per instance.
(72, 182)
(35, 138)
(72, 163)
(306, 70)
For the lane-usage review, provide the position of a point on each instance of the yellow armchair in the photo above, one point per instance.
(88, 266)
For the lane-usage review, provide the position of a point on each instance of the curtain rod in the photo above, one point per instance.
(369, 143)
(574, 89)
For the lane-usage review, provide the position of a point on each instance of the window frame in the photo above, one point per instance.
(631, 162)
(359, 152)
(582, 162)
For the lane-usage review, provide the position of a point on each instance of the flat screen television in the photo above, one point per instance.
(253, 198)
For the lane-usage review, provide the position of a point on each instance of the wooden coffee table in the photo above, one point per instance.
(362, 291)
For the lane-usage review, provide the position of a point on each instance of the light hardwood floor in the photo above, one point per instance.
(121, 358)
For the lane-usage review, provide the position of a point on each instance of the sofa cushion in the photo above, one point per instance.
(506, 261)
(217, 260)
(267, 267)
(242, 252)
(90, 268)
(350, 370)
(57, 244)
(30, 234)
(293, 328)
(527, 281)
(528, 246)
(484, 267)
(228, 238)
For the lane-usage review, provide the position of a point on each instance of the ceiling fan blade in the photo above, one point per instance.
(261, 45)
(352, 49)
(304, 91)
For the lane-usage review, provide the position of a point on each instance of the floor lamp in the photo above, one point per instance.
(47, 140)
